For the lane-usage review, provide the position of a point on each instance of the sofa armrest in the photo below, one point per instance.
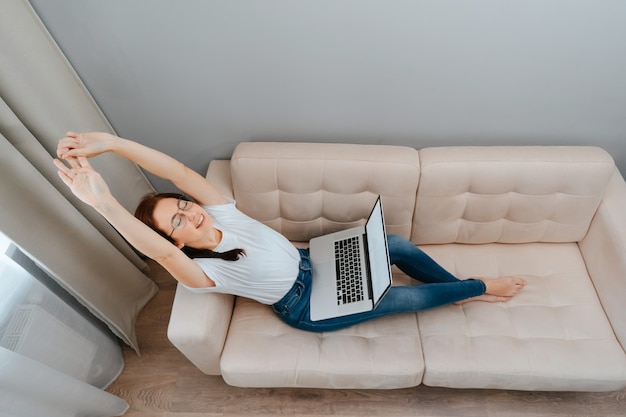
(198, 327)
(219, 175)
(604, 252)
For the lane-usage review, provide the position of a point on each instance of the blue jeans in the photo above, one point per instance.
(439, 288)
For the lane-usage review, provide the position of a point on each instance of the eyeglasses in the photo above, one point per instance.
(179, 220)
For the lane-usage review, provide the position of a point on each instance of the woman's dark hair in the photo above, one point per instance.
(145, 212)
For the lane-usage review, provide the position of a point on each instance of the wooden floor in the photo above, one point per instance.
(162, 383)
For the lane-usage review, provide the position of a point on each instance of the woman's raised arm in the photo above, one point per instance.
(90, 144)
(88, 186)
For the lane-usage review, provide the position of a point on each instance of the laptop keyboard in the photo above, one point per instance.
(349, 276)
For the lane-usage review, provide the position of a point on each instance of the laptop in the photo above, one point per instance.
(351, 268)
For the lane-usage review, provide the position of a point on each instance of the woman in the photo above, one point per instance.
(208, 245)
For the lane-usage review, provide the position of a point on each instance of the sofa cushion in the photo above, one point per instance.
(305, 190)
(262, 351)
(554, 335)
(509, 194)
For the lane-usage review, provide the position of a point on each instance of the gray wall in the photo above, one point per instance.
(195, 77)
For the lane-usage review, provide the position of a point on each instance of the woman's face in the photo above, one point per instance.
(184, 221)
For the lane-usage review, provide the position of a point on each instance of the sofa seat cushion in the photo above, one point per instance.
(554, 335)
(262, 351)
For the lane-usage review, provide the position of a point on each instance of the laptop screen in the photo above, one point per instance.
(378, 252)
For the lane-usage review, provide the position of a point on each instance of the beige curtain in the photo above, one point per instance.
(41, 97)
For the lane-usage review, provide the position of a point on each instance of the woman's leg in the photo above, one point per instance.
(416, 263)
(440, 288)
(399, 299)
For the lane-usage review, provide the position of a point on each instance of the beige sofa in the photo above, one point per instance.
(553, 215)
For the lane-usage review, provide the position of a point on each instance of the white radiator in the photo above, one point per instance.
(36, 334)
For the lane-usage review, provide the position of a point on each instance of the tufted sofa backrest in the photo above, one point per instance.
(508, 194)
(305, 190)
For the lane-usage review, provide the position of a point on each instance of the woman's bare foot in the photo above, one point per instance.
(498, 290)
(503, 286)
